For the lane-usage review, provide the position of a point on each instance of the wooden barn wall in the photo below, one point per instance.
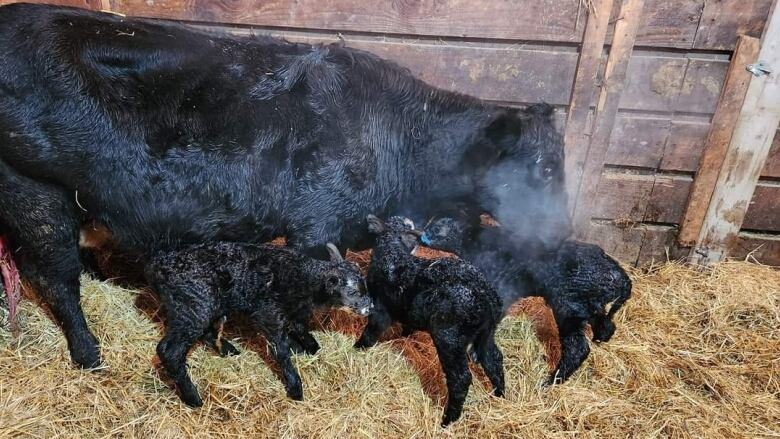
(521, 51)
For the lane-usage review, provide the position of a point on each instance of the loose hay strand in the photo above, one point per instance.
(695, 355)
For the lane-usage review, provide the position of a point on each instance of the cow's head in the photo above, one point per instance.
(520, 175)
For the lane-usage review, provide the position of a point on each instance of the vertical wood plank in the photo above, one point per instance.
(577, 132)
(756, 126)
(606, 110)
(723, 123)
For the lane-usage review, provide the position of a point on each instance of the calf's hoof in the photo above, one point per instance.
(449, 419)
(311, 348)
(362, 344)
(86, 355)
(603, 331)
(191, 397)
(295, 393)
(226, 349)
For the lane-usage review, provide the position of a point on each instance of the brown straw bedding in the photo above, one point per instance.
(696, 354)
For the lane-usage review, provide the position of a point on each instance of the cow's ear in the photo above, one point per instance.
(375, 225)
(504, 128)
(499, 137)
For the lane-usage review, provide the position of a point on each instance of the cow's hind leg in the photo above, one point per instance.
(43, 229)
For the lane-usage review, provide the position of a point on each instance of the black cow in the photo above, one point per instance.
(169, 136)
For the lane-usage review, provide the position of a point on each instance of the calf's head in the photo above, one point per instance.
(519, 175)
(444, 234)
(397, 231)
(345, 284)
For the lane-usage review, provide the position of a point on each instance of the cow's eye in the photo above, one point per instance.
(547, 173)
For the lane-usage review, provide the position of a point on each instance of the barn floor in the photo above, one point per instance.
(696, 355)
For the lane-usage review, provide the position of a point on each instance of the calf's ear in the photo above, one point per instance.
(409, 239)
(335, 254)
(375, 225)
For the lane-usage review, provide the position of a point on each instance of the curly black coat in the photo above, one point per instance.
(277, 287)
(448, 298)
(170, 135)
(578, 281)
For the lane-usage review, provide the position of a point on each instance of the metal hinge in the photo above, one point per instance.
(758, 69)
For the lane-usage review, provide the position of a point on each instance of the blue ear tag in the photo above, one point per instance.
(425, 239)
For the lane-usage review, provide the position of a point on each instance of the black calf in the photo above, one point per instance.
(449, 298)
(578, 281)
(278, 287)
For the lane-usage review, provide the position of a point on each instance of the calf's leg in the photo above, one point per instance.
(491, 359)
(574, 349)
(184, 329)
(42, 225)
(451, 347)
(269, 321)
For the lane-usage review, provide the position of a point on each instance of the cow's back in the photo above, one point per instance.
(151, 123)
(172, 134)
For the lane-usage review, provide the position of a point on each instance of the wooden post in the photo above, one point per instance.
(749, 147)
(577, 134)
(724, 122)
(606, 110)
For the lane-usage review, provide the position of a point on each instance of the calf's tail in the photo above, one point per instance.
(623, 294)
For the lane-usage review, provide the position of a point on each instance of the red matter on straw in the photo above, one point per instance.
(11, 281)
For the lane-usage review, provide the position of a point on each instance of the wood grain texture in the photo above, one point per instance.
(641, 198)
(749, 147)
(667, 199)
(606, 111)
(757, 247)
(659, 246)
(701, 87)
(86, 4)
(685, 145)
(536, 20)
(621, 242)
(638, 141)
(578, 130)
(763, 213)
(720, 134)
(722, 21)
(667, 23)
(622, 196)
(772, 166)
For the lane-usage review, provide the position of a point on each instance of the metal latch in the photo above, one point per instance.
(759, 69)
